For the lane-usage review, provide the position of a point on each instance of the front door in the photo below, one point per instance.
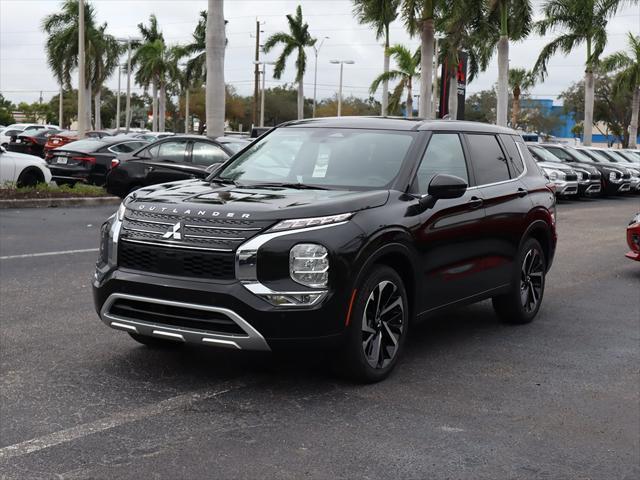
(168, 163)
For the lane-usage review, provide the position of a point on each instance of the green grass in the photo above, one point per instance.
(43, 190)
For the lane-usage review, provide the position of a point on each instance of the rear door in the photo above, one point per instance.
(168, 162)
(497, 165)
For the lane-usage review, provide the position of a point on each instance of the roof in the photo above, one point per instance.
(204, 137)
(398, 123)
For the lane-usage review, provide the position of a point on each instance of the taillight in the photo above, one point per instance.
(114, 163)
(28, 139)
(85, 159)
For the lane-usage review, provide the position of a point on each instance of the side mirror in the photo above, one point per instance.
(443, 186)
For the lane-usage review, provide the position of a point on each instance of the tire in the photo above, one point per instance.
(368, 331)
(523, 302)
(155, 342)
(30, 178)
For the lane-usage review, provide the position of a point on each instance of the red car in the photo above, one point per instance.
(68, 136)
(633, 238)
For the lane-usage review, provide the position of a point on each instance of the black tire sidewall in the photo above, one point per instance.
(528, 245)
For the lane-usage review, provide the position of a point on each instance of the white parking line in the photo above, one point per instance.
(107, 423)
(46, 254)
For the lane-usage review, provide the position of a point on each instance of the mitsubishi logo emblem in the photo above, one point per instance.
(174, 232)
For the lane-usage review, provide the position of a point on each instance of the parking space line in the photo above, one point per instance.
(107, 423)
(46, 254)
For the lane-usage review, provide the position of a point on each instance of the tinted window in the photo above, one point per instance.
(444, 155)
(560, 153)
(489, 162)
(171, 151)
(515, 161)
(206, 153)
(235, 147)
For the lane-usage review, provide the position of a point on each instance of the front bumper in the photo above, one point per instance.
(566, 188)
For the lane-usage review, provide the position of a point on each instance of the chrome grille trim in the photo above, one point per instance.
(173, 245)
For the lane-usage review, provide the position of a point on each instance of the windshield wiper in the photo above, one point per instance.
(297, 186)
(224, 181)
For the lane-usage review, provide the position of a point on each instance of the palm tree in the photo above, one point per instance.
(408, 68)
(379, 14)
(148, 57)
(296, 40)
(62, 43)
(580, 21)
(627, 66)
(104, 54)
(519, 80)
(215, 88)
(508, 20)
(196, 50)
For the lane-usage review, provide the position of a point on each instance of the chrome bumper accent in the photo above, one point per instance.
(567, 188)
(625, 187)
(252, 341)
(594, 188)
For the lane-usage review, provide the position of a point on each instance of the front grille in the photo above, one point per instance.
(595, 176)
(571, 177)
(626, 175)
(175, 316)
(176, 261)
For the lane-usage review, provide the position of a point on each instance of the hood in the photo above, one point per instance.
(25, 158)
(556, 166)
(192, 197)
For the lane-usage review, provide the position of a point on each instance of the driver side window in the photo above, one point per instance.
(444, 155)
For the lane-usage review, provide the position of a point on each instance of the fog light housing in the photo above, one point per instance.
(309, 265)
(293, 299)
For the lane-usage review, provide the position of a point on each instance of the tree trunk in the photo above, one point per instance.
(453, 95)
(154, 106)
(409, 99)
(515, 107)
(633, 125)
(163, 107)
(87, 109)
(503, 81)
(588, 107)
(426, 67)
(98, 111)
(300, 100)
(385, 83)
(61, 106)
(215, 91)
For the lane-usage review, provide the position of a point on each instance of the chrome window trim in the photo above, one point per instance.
(524, 172)
(253, 341)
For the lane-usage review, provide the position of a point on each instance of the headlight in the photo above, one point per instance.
(121, 210)
(103, 257)
(309, 265)
(552, 174)
(613, 177)
(311, 222)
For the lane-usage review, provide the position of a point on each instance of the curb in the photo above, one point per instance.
(59, 202)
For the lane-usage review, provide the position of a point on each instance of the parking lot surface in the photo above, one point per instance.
(471, 398)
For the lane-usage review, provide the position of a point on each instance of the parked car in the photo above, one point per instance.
(633, 238)
(614, 180)
(589, 178)
(631, 156)
(563, 177)
(153, 136)
(367, 225)
(601, 155)
(31, 141)
(66, 136)
(5, 136)
(89, 160)
(22, 169)
(175, 158)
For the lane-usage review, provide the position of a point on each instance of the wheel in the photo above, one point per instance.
(29, 178)
(155, 342)
(522, 303)
(377, 328)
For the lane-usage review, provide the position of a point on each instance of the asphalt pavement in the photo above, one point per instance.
(471, 399)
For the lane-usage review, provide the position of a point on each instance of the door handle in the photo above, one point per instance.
(475, 202)
(522, 192)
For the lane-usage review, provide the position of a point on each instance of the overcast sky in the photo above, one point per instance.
(24, 72)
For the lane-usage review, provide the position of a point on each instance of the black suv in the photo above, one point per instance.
(338, 232)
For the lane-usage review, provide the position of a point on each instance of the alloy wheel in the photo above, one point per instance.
(382, 324)
(531, 280)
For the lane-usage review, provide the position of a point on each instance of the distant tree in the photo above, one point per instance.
(351, 106)
(407, 69)
(481, 107)
(538, 120)
(519, 81)
(296, 40)
(6, 109)
(627, 69)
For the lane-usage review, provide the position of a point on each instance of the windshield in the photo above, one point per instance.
(329, 157)
(582, 157)
(598, 156)
(544, 154)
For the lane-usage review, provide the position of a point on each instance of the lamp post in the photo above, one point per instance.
(315, 74)
(82, 87)
(341, 62)
(118, 98)
(262, 94)
(127, 115)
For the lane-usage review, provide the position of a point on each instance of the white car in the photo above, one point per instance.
(17, 128)
(22, 170)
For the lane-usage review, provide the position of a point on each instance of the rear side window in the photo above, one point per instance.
(204, 153)
(489, 161)
(516, 166)
(444, 155)
(170, 151)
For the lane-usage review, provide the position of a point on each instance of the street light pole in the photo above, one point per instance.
(82, 101)
(118, 98)
(341, 62)
(186, 112)
(315, 74)
(262, 93)
(127, 115)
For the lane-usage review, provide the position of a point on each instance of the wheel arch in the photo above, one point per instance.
(31, 169)
(541, 231)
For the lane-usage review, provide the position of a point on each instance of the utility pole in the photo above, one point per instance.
(118, 98)
(315, 74)
(262, 94)
(434, 111)
(341, 62)
(60, 105)
(127, 115)
(256, 74)
(82, 101)
(186, 112)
